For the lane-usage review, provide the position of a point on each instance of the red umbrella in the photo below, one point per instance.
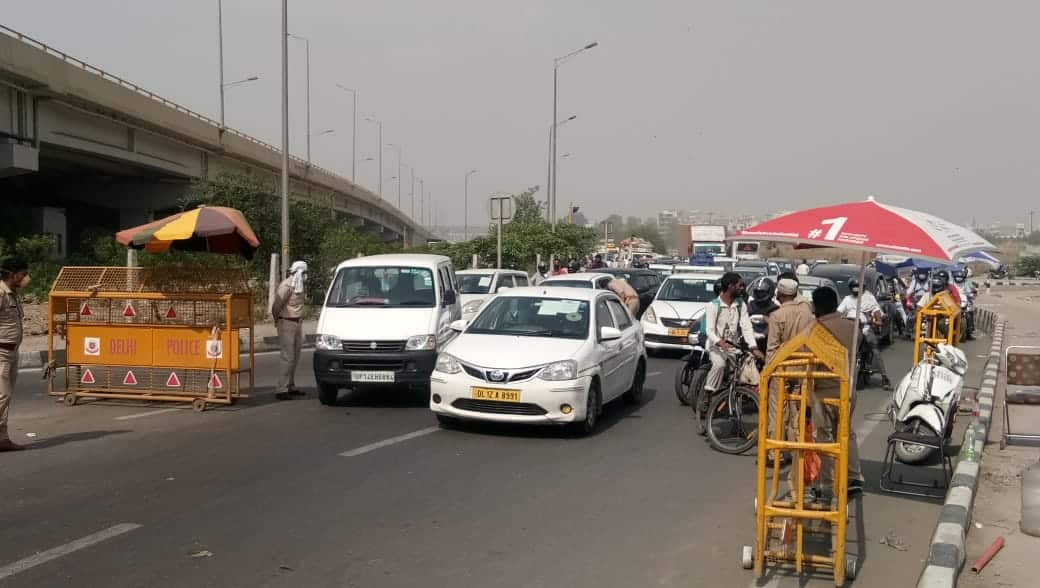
(872, 227)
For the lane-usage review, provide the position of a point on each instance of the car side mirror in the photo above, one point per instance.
(449, 297)
(609, 334)
(459, 325)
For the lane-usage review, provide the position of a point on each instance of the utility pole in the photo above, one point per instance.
(285, 137)
(422, 192)
(500, 202)
(465, 206)
(220, 56)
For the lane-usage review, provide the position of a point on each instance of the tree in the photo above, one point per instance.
(526, 208)
(1027, 265)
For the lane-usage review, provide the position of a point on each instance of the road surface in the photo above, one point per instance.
(372, 494)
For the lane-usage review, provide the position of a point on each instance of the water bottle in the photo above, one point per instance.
(968, 449)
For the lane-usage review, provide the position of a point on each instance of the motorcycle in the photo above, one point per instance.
(761, 327)
(925, 402)
(967, 319)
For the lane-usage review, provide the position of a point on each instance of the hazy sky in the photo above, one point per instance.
(731, 105)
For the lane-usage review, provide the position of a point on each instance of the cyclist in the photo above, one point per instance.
(726, 319)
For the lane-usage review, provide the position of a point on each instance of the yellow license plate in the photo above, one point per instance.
(496, 394)
(678, 332)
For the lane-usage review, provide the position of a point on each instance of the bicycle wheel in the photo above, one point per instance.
(732, 427)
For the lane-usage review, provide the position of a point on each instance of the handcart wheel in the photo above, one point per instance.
(747, 557)
(198, 405)
(851, 566)
(70, 399)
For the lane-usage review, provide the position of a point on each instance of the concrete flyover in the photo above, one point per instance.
(80, 148)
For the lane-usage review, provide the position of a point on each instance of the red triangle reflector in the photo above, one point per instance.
(129, 310)
(171, 314)
(173, 381)
(215, 383)
(85, 310)
(87, 378)
(130, 379)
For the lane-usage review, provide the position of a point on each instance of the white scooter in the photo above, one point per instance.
(925, 402)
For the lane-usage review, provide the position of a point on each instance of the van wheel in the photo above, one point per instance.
(328, 394)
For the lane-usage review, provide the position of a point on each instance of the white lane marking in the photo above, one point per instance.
(391, 441)
(652, 374)
(63, 550)
(138, 415)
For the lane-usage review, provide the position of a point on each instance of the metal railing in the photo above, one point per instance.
(170, 104)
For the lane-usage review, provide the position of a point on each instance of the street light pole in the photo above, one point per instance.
(465, 204)
(422, 192)
(556, 67)
(307, 51)
(548, 163)
(380, 155)
(411, 172)
(220, 56)
(353, 127)
(400, 154)
(285, 137)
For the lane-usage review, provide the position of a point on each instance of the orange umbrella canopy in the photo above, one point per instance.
(216, 229)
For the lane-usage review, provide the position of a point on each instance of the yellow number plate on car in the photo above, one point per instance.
(496, 394)
(678, 332)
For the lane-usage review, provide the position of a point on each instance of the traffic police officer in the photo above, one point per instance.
(14, 275)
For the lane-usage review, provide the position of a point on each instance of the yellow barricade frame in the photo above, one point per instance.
(941, 306)
(814, 354)
(198, 312)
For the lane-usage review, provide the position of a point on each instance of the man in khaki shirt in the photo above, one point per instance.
(287, 310)
(794, 316)
(825, 417)
(14, 275)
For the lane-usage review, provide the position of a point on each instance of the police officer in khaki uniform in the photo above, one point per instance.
(14, 275)
(287, 311)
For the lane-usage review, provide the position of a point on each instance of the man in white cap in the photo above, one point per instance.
(794, 316)
(287, 310)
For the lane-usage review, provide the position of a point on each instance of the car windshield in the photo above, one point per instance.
(568, 283)
(712, 249)
(382, 287)
(688, 290)
(474, 283)
(533, 317)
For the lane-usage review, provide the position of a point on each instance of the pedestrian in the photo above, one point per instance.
(626, 293)
(726, 322)
(558, 268)
(597, 262)
(14, 276)
(803, 268)
(287, 311)
(825, 416)
(541, 274)
(794, 316)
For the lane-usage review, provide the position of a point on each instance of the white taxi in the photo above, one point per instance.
(477, 285)
(541, 355)
(677, 309)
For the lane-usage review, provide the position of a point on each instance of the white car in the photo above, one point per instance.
(677, 309)
(541, 355)
(593, 280)
(477, 285)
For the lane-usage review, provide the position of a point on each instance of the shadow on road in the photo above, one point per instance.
(74, 438)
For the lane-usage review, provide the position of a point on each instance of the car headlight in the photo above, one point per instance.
(447, 364)
(328, 342)
(650, 316)
(560, 370)
(420, 343)
(472, 306)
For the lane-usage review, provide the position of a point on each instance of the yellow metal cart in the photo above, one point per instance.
(782, 524)
(164, 334)
(940, 308)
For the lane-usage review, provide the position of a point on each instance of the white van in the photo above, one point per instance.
(384, 320)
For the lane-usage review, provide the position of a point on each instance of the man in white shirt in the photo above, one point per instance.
(870, 313)
(726, 321)
(803, 268)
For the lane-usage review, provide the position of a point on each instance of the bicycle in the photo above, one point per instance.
(731, 418)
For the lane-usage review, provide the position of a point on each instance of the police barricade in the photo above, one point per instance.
(165, 334)
(803, 528)
(938, 322)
